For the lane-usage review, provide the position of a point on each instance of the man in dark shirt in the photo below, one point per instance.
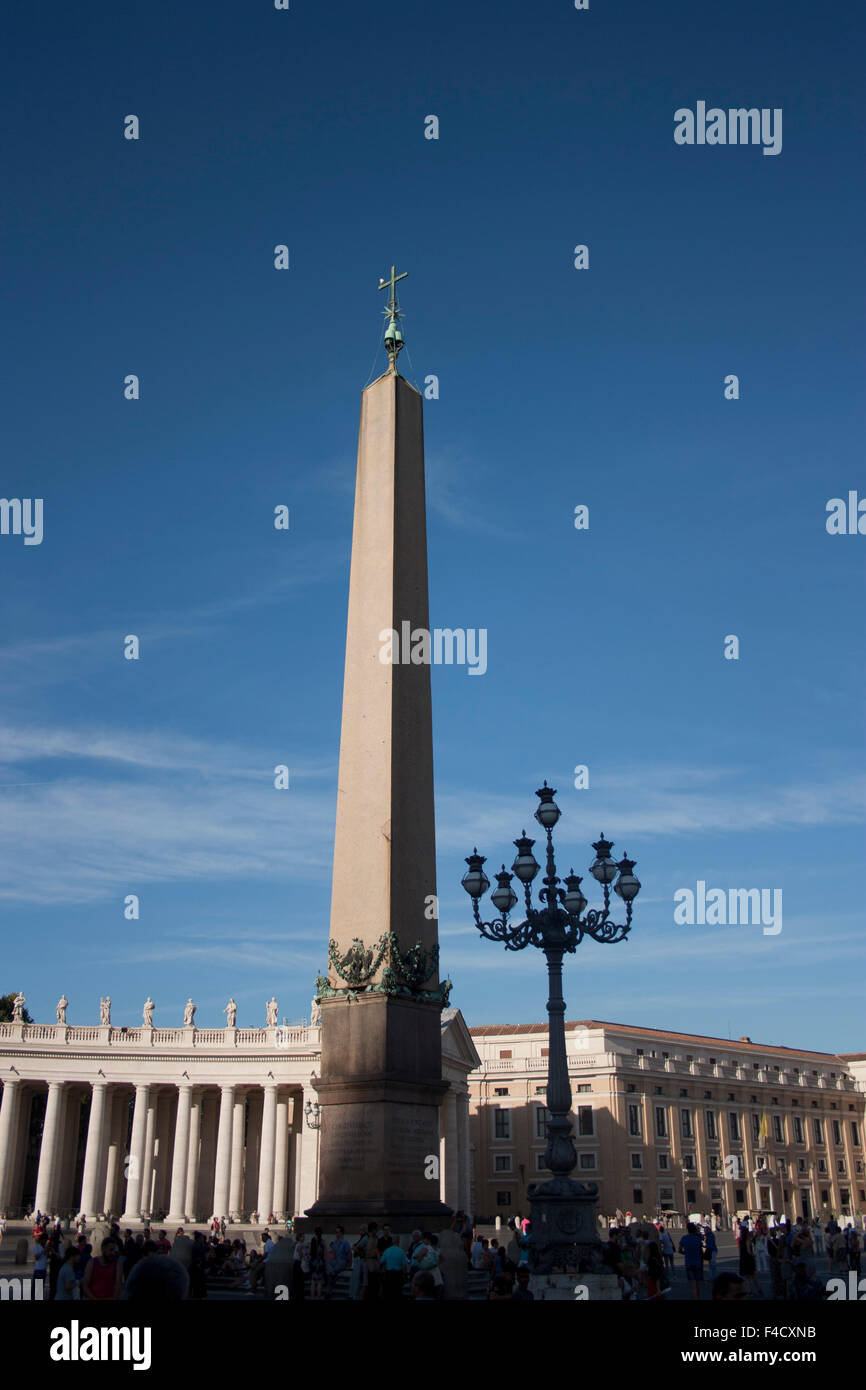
(691, 1247)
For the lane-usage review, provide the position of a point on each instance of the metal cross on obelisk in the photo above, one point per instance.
(393, 336)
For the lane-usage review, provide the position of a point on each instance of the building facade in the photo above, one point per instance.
(672, 1122)
(183, 1124)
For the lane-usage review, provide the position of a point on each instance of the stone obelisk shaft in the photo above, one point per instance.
(381, 1079)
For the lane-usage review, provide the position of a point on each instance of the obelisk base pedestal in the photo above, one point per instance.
(379, 1143)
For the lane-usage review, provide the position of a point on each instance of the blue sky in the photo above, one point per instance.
(558, 387)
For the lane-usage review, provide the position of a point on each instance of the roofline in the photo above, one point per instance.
(503, 1029)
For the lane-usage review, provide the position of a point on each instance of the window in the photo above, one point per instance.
(837, 1132)
(637, 1160)
(802, 1166)
(844, 1196)
(691, 1196)
(539, 1163)
(501, 1123)
(840, 1166)
(661, 1122)
(500, 1090)
(739, 1196)
(506, 1053)
(587, 1161)
(798, 1129)
(637, 1196)
(584, 1120)
(819, 1130)
(631, 1087)
(683, 1091)
(714, 1163)
(583, 1090)
(666, 1198)
(855, 1133)
(503, 1199)
(822, 1165)
(689, 1161)
(710, 1119)
(778, 1135)
(734, 1125)
(540, 1122)
(686, 1123)
(825, 1196)
(634, 1121)
(756, 1126)
(502, 1163)
(708, 1095)
(663, 1161)
(657, 1091)
(783, 1171)
(540, 1090)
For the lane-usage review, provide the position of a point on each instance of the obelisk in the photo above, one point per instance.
(381, 1070)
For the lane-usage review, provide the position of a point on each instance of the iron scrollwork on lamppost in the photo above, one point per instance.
(563, 1210)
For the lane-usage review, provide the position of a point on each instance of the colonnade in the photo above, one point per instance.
(176, 1152)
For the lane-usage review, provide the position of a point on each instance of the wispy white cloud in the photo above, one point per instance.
(655, 801)
(156, 808)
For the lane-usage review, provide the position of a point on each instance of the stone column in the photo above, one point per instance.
(68, 1119)
(48, 1151)
(93, 1154)
(266, 1153)
(281, 1158)
(252, 1154)
(165, 1119)
(135, 1174)
(307, 1159)
(147, 1153)
(224, 1153)
(115, 1106)
(210, 1103)
(465, 1176)
(237, 1167)
(180, 1157)
(9, 1113)
(191, 1203)
(451, 1193)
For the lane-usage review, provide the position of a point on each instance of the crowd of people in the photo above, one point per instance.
(431, 1266)
(144, 1267)
(149, 1266)
(642, 1255)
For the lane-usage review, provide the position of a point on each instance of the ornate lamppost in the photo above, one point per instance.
(563, 1210)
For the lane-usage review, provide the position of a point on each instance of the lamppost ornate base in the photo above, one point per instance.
(564, 1226)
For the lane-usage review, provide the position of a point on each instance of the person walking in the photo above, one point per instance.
(339, 1257)
(394, 1269)
(691, 1249)
(711, 1249)
(667, 1248)
(68, 1287)
(747, 1260)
